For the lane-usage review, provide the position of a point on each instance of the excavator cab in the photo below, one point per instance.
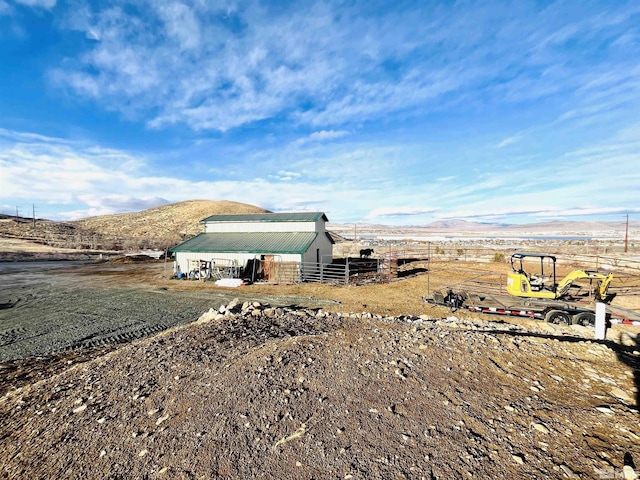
(542, 283)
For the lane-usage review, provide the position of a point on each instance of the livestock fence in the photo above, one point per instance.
(390, 265)
(346, 271)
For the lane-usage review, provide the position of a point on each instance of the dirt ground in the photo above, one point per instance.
(336, 382)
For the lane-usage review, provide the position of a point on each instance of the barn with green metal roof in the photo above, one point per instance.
(265, 240)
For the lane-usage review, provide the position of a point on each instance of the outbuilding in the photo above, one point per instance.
(267, 246)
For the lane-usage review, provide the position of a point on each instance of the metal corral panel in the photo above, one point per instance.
(270, 243)
(269, 217)
(186, 261)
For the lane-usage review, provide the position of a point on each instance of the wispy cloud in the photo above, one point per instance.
(109, 204)
(398, 212)
(46, 4)
(585, 211)
(92, 180)
(251, 63)
(7, 135)
(424, 110)
(321, 136)
(5, 8)
(285, 176)
(349, 181)
(509, 141)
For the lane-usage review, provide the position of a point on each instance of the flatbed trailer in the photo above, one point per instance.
(550, 310)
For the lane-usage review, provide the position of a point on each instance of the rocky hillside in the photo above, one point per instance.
(159, 227)
(250, 391)
(167, 220)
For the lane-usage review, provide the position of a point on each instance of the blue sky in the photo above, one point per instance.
(399, 113)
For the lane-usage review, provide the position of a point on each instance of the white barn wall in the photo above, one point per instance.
(231, 227)
(325, 247)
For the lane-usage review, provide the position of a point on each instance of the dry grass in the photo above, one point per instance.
(401, 297)
(172, 219)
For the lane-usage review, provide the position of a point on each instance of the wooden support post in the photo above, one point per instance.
(346, 272)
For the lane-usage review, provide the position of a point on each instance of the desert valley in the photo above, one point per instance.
(111, 368)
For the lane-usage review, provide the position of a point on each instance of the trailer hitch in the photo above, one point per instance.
(453, 300)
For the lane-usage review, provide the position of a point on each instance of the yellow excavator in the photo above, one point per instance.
(538, 296)
(543, 283)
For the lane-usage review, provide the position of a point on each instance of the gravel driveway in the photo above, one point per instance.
(48, 307)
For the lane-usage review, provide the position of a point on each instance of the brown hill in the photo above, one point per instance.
(175, 220)
(158, 227)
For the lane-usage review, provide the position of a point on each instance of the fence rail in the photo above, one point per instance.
(324, 273)
(388, 266)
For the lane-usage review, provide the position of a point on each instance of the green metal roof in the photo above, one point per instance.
(260, 242)
(268, 217)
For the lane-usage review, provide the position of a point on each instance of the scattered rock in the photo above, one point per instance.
(266, 385)
(540, 427)
(622, 395)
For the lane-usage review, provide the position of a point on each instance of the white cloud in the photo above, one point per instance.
(110, 204)
(398, 212)
(46, 4)
(585, 211)
(181, 24)
(219, 67)
(14, 136)
(509, 141)
(321, 136)
(97, 181)
(285, 176)
(5, 8)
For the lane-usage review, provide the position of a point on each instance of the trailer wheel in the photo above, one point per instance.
(558, 317)
(586, 319)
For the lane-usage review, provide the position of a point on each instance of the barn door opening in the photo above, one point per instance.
(268, 268)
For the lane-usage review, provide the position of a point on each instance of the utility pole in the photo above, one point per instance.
(34, 215)
(17, 216)
(626, 236)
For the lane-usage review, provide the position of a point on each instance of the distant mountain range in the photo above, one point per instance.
(170, 224)
(465, 227)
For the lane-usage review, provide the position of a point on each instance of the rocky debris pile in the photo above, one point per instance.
(254, 391)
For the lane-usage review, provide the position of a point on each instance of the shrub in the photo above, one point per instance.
(498, 257)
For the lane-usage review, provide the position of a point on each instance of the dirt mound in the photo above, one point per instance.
(253, 391)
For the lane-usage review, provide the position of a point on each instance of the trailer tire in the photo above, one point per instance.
(558, 317)
(586, 319)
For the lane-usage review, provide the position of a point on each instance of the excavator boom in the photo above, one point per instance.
(566, 283)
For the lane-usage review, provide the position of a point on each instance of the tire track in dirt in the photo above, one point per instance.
(50, 318)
